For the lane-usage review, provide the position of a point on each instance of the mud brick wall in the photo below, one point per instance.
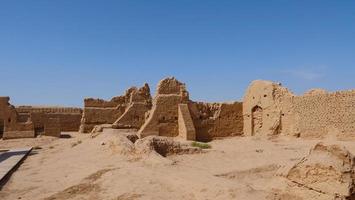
(216, 120)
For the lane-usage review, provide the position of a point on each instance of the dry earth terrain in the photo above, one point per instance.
(110, 167)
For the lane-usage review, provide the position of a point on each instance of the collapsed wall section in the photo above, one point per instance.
(140, 102)
(172, 110)
(162, 119)
(125, 111)
(12, 125)
(327, 169)
(99, 111)
(133, 117)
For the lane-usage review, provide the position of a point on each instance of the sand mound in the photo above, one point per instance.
(328, 169)
(127, 143)
(164, 146)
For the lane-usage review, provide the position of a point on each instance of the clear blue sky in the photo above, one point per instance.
(58, 52)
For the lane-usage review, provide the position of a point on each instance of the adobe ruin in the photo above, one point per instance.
(174, 114)
(11, 124)
(170, 113)
(328, 169)
(28, 121)
(68, 117)
(166, 125)
(267, 108)
(126, 111)
(217, 120)
(270, 109)
(162, 119)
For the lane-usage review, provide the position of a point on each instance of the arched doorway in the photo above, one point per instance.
(257, 120)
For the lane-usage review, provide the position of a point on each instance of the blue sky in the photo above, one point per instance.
(58, 52)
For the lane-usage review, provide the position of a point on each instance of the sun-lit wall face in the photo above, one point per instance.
(270, 109)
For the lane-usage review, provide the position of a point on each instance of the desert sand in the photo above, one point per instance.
(83, 167)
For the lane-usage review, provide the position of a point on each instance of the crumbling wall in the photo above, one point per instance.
(162, 119)
(99, 111)
(133, 117)
(328, 169)
(215, 120)
(172, 111)
(69, 118)
(131, 107)
(262, 108)
(186, 126)
(269, 108)
(140, 102)
(12, 127)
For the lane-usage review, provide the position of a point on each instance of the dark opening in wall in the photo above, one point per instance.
(1, 127)
(39, 131)
(162, 120)
(265, 95)
(257, 120)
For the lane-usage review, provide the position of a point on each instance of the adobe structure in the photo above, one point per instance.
(28, 121)
(267, 109)
(69, 117)
(270, 109)
(174, 114)
(170, 113)
(126, 111)
(11, 124)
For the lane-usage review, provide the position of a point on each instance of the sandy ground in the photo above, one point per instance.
(81, 167)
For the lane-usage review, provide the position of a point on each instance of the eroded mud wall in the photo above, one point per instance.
(69, 118)
(270, 109)
(132, 106)
(12, 124)
(162, 119)
(140, 102)
(215, 120)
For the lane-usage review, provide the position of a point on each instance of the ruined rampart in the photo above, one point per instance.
(215, 120)
(162, 119)
(10, 124)
(168, 116)
(125, 111)
(270, 109)
(69, 118)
